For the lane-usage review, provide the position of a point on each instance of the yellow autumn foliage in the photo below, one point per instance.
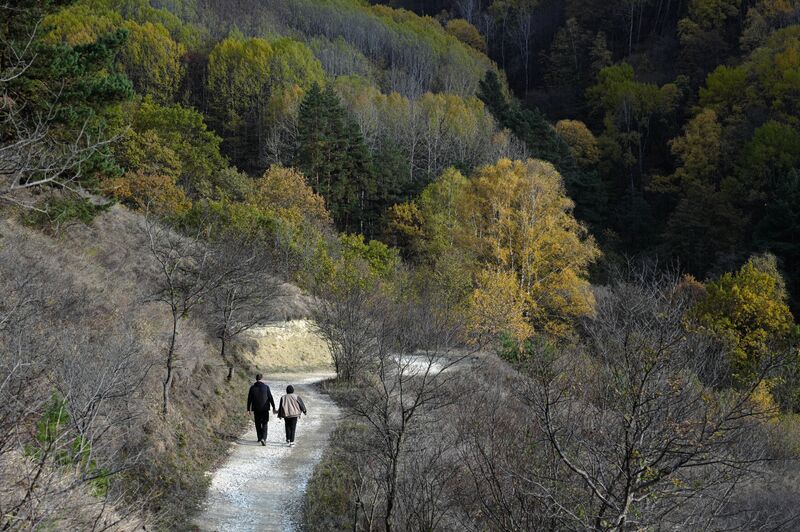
(155, 192)
(497, 306)
(582, 143)
(522, 223)
(509, 221)
(285, 191)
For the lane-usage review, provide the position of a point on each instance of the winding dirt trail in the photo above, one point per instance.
(261, 488)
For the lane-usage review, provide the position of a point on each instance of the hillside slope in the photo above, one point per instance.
(94, 285)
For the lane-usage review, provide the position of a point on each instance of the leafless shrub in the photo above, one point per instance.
(634, 425)
(64, 402)
(401, 404)
(248, 283)
(347, 317)
(638, 417)
(186, 276)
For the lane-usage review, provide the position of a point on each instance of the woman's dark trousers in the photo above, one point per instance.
(291, 425)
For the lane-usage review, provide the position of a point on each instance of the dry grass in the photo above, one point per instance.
(108, 270)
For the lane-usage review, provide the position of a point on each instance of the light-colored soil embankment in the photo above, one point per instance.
(285, 346)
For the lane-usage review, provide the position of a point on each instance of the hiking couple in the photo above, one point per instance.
(259, 400)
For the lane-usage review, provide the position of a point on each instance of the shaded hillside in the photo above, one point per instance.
(90, 344)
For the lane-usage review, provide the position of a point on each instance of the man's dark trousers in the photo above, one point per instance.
(261, 417)
(259, 401)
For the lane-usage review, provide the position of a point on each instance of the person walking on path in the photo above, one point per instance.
(290, 408)
(259, 399)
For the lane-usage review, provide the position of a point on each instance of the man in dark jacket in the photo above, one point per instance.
(259, 400)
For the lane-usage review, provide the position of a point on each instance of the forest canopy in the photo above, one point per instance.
(588, 211)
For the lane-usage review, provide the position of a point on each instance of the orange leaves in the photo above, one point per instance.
(285, 191)
(158, 193)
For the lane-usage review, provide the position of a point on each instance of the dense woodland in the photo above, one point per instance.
(590, 205)
(691, 116)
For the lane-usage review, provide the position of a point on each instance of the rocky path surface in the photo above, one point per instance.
(261, 488)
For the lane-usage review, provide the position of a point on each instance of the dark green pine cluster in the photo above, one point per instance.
(332, 154)
(65, 91)
(584, 185)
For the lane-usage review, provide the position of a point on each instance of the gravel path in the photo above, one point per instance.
(262, 488)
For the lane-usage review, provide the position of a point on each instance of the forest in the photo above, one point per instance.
(581, 217)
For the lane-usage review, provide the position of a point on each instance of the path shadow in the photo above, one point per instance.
(247, 443)
(251, 443)
(226, 436)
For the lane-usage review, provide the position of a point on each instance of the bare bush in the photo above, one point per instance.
(186, 276)
(638, 417)
(65, 415)
(634, 425)
(401, 405)
(346, 318)
(247, 284)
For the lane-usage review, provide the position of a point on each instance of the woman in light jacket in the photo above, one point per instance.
(291, 406)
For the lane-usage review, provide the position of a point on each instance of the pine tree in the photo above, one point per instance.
(57, 101)
(334, 157)
(361, 178)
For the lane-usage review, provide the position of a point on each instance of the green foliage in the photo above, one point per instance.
(243, 74)
(529, 125)
(466, 33)
(748, 309)
(538, 354)
(735, 154)
(66, 94)
(52, 439)
(83, 21)
(62, 210)
(542, 141)
(767, 79)
(217, 217)
(153, 61)
(332, 154)
(772, 152)
(778, 230)
(79, 23)
(238, 77)
(630, 109)
(293, 64)
(174, 140)
(381, 259)
(707, 33)
(355, 264)
(53, 421)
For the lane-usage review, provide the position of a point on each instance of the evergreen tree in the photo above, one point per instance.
(541, 139)
(779, 230)
(361, 179)
(332, 154)
(56, 100)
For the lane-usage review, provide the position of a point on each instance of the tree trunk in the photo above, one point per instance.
(391, 492)
(170, 359)
(224, 356)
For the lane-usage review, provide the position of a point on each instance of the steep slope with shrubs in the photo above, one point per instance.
(83, 363)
